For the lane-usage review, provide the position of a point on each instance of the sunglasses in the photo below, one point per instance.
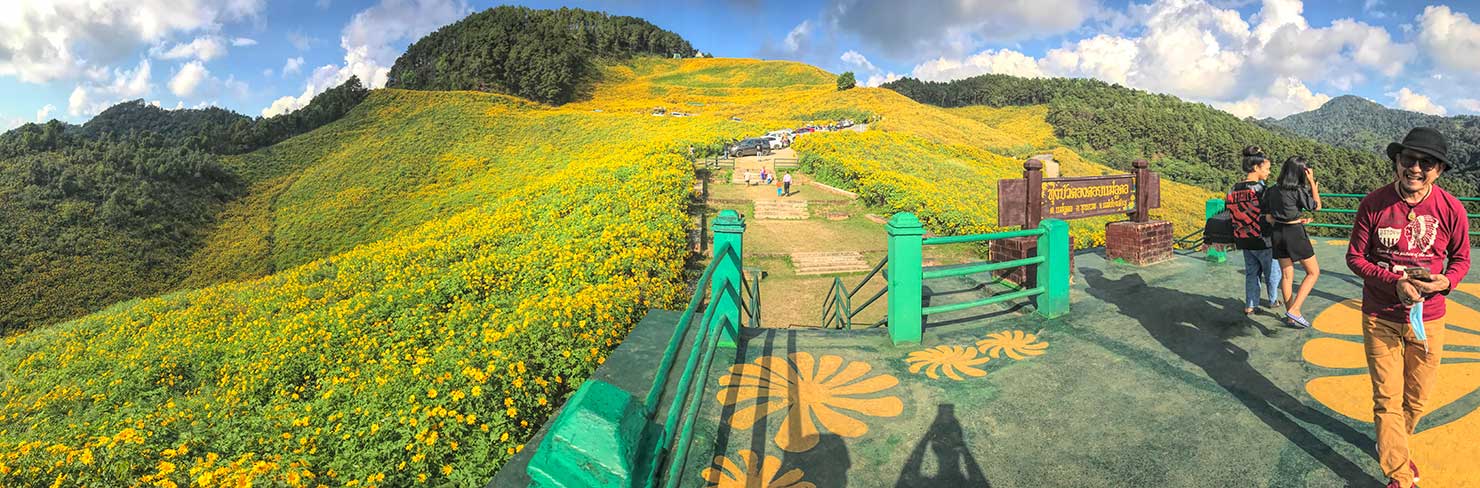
(1424, 162)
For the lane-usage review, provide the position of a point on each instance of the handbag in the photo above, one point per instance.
(1219, 228)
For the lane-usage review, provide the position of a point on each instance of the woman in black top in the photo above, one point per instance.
(1282, 205)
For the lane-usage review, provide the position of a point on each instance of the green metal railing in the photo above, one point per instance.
(837, 308)
(601, 436)
(1350, 211)
(906, 273)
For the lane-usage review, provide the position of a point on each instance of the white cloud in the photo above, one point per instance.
(243, 42)
(794, 38)
(193, 80)
(185, 81)
(1005, 62)
(45, 113)
(293, 66)
(1469, 104)
(267, 73)
(903, 29)
(105, 90)
(1284, 96)
(1199, 51)
(372, 42)
(203, 48)
(45, 40)
(854, 58)
(300, 41)
(879, 79)
(1408, 100)
(1451, 38)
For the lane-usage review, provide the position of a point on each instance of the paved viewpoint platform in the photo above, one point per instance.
(1156, 378)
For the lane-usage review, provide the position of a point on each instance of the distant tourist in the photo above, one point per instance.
(765, 177)
(1296, 192)
(1410, 244)
(778, 188)
(747, 176)
(787, 181)
(1251, 233)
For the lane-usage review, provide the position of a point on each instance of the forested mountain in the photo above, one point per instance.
(112, 209)
(1188, 142)
(542, 55)
(1357, 123)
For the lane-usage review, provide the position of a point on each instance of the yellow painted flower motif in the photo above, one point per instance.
(749, 474)
(1016, 344)
(806, 387)
(954, 361)
(1347, 389)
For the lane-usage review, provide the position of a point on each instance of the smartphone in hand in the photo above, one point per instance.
(1418, 273)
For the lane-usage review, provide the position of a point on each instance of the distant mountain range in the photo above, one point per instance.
(1357, 123)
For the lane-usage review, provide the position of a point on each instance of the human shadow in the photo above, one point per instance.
(1179, 321)
(954, 464)
(825, 466)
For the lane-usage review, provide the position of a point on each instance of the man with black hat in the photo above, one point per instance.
(1410, 244)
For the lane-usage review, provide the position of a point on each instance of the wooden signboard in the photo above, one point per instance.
(1075, 198)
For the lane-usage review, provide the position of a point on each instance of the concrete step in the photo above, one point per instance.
(781, 210)
(811, 263)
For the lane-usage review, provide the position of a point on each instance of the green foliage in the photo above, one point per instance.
(91, 222)
(115, 208)
(857, 115)
(542, 55)
(1356, 123)
(846, 81)
(1189, 142)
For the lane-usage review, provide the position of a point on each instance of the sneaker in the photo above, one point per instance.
(1296, 321)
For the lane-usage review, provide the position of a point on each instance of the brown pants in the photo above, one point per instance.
(1402, 378)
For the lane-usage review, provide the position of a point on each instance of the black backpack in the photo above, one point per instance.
(1219, 229)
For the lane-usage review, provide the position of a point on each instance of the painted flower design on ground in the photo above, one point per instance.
(1445, 436)
(828, 392)
(954, 361)
(750, 474)
(1015, 344)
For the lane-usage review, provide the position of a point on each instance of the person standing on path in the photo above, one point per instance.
(1297, 192)
(1251, 233)
(1410, 244)
(787, 181)
(778, 187)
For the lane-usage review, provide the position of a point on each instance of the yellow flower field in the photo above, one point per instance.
(408, 293)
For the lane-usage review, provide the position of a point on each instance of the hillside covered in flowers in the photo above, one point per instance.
(406, 294)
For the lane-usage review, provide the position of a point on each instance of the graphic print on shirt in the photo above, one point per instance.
(1421, 233)
(1388, 236)
(1244, 208)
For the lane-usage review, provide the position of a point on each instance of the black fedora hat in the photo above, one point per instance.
(1425, 140)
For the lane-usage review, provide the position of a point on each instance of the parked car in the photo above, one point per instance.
(845, 123)
(772, 142)
(748, 147)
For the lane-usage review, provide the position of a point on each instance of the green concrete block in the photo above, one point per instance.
(906, 278)
(594, 442)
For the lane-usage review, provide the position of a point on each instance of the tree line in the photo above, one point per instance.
(543, 55)
(112, 209)
(1188, 142)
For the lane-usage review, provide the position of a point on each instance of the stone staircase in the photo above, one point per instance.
(781, 209)
(816, 263)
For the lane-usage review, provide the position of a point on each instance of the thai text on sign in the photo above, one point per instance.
(1070, 198)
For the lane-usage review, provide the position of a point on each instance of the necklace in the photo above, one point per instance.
(1411, 214)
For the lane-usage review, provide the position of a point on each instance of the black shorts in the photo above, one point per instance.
(1291, 242)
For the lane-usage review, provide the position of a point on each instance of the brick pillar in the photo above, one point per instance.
(1020, 248)
(1139, 243)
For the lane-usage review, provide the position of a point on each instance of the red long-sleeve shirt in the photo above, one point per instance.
(1384, 241)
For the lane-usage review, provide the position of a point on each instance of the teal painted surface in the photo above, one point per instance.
(906, 277)
(594, 442)
(1214, 206)
(1053, 274)
(729, 233)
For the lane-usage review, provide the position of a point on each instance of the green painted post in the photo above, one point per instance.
(1215, 255)
(906, 277)
(593, 442)
(1053, 274)
(729, 231)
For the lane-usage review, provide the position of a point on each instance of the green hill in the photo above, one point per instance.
(1190, 142)
(1357, 123)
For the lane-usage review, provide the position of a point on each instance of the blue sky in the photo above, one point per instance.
(68, 59)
